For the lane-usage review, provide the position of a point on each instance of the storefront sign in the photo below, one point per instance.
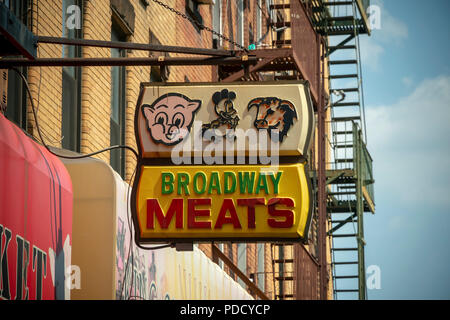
(204, 202)
(183, 119)
(210, 164)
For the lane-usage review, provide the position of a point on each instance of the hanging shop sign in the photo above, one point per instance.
(210, 168)
(183, 119)
(207, 202)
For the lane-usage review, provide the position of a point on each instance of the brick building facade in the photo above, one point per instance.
(90, 108)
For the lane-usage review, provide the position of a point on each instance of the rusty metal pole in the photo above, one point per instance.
(105, 62)
(134, 46)
(321, 183)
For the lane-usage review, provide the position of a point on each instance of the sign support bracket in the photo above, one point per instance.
(252, 287)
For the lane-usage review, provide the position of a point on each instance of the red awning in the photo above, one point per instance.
(35, 217)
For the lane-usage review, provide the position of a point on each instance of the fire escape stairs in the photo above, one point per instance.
(345, 201)
(345, 204)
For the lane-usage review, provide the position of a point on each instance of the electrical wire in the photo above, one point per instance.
(40, 77)
(171, 245)
(130, 246)
(199, 25)
(90, 155)
(43, 141)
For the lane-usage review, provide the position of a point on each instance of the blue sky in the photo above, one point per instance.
(407, 95)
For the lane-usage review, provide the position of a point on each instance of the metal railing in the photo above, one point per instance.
(366, 162)
(344, 156)
(367, 171)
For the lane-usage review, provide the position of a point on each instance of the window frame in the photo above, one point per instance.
(258, 21)
(217, 17)
(117, 156)
(240, 16)
(242, 260)
(71, 114)
(261, 268)
(193, 11)
(16, 104)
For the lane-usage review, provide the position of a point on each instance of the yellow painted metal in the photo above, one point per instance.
(224, 185)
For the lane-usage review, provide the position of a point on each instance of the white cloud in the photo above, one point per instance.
(410, 144)
(392, 31)
(397, 222)
(371, 52)
(407, 81)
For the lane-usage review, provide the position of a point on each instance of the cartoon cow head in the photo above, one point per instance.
(273, 113)
(170, 117)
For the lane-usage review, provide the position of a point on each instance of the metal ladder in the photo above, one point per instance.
(347, 120)
(283, 270)
(338, 21)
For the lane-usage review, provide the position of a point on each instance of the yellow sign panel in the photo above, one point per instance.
(222, 203)
(209, 161)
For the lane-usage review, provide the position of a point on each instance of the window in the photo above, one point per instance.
(251, 35)
(260, 271)
(258, 21)
(194, 12)
(230, 255)
(240, 22)
(217, 22)
(221, 247)
(71, 80)
(117, 119)
(242, 260)
(16, 110)
(19, 8)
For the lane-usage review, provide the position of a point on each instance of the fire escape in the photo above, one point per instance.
(303, 32)
(349, 171)
(288, 53)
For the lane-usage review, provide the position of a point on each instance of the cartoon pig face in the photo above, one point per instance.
(170, 117)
